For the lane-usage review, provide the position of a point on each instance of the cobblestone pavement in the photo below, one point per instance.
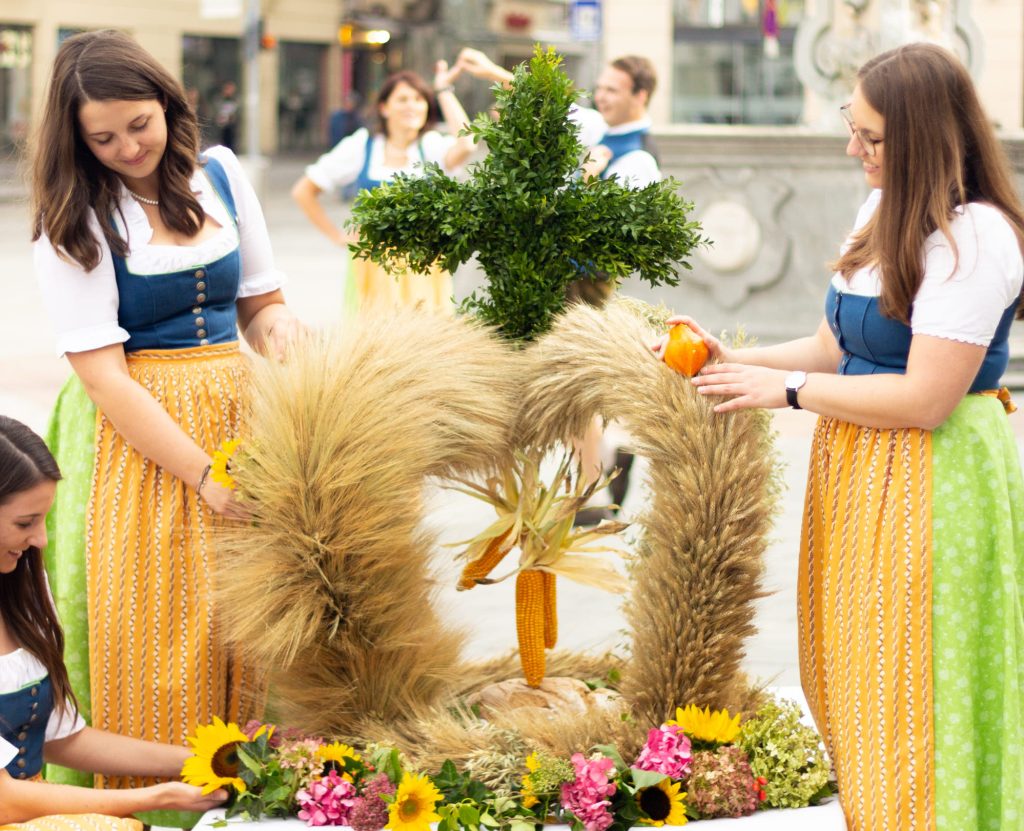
(30, 376)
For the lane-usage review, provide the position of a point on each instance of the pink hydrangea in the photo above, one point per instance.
(327, 801)
(588, 795)
(667, 751)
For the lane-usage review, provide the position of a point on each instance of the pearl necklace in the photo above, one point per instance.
(145, 200)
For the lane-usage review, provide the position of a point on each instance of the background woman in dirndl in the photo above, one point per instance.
(403, 141)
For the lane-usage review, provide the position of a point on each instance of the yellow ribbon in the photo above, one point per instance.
(1003, 394)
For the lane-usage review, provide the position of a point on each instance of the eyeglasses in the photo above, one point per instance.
(867, 143)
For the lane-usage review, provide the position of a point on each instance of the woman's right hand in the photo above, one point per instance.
(177, 796)
(222, 500)
(476, 63)
(716, 349)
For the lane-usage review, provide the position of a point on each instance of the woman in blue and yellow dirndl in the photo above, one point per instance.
(149, 262)
(912, 557)
(403, 143)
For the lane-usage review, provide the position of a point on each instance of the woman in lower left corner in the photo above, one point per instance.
(39, 718)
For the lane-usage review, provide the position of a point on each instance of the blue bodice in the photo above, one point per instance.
(24, 714)
(363, 180)
(189, 308)
(873, 344)
(622, 143)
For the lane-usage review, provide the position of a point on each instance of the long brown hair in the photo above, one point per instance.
(940, 152)
(24, 595)
(68, 180)
(413, 80)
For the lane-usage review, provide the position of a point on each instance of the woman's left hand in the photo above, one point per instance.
(281, 334)
(444, 76)
(749, 386)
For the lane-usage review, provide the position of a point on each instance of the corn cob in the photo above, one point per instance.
(530, 627)
(484, 564)
(550, 611)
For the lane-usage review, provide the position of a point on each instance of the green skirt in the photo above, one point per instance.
(71, 437)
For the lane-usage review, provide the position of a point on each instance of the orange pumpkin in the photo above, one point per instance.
(685, 351)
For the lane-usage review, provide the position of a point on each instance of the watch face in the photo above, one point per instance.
(796, 379)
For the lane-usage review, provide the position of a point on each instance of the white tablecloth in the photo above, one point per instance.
(827, 817)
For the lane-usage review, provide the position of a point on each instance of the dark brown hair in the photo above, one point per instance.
(641, 72)
(25, 601)
(68, 180)
(417, 83)
(940, 152)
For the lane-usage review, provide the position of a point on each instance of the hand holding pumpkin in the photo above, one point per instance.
(687, 347)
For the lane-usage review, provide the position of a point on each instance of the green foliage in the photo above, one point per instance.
(387, 760)
(786, 753)
(468, 805)
(455, 786)
(533, 223)
(270, 788)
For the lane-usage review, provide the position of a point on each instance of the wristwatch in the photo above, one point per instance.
(794, 381)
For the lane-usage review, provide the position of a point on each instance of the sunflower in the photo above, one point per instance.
(704, 726)
(663, 804)
(413, 808)
(214, 763)
(336, 756)
(220, 468)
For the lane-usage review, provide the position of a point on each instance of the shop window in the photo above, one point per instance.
(212, 73)
(15, 84)
(302, 85)
(723, 70)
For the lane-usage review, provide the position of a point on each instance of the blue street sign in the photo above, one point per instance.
(585, 19)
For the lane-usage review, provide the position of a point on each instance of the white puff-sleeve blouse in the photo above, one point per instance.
(966, 288)
(20, 669)
(83, 305)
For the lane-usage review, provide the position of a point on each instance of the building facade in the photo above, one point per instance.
(300, 77)
(715, 60)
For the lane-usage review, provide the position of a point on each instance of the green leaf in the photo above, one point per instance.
(469, 815)
(247, 760)
(646, 778)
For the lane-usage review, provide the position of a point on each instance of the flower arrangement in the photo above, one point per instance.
(722, 767)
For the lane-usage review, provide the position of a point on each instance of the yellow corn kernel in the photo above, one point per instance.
(530, 624)
(550, 611)
(485, 563)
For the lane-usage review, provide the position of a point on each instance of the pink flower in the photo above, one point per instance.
(587, 796)
(327, 801)
(370, 812)
(667, 751)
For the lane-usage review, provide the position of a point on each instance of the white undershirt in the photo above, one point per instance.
(959, 299)
(83, 305)
(8, 752)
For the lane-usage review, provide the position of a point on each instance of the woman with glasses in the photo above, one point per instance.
(912, 554)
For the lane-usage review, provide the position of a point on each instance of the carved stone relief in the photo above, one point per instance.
(749, 249)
